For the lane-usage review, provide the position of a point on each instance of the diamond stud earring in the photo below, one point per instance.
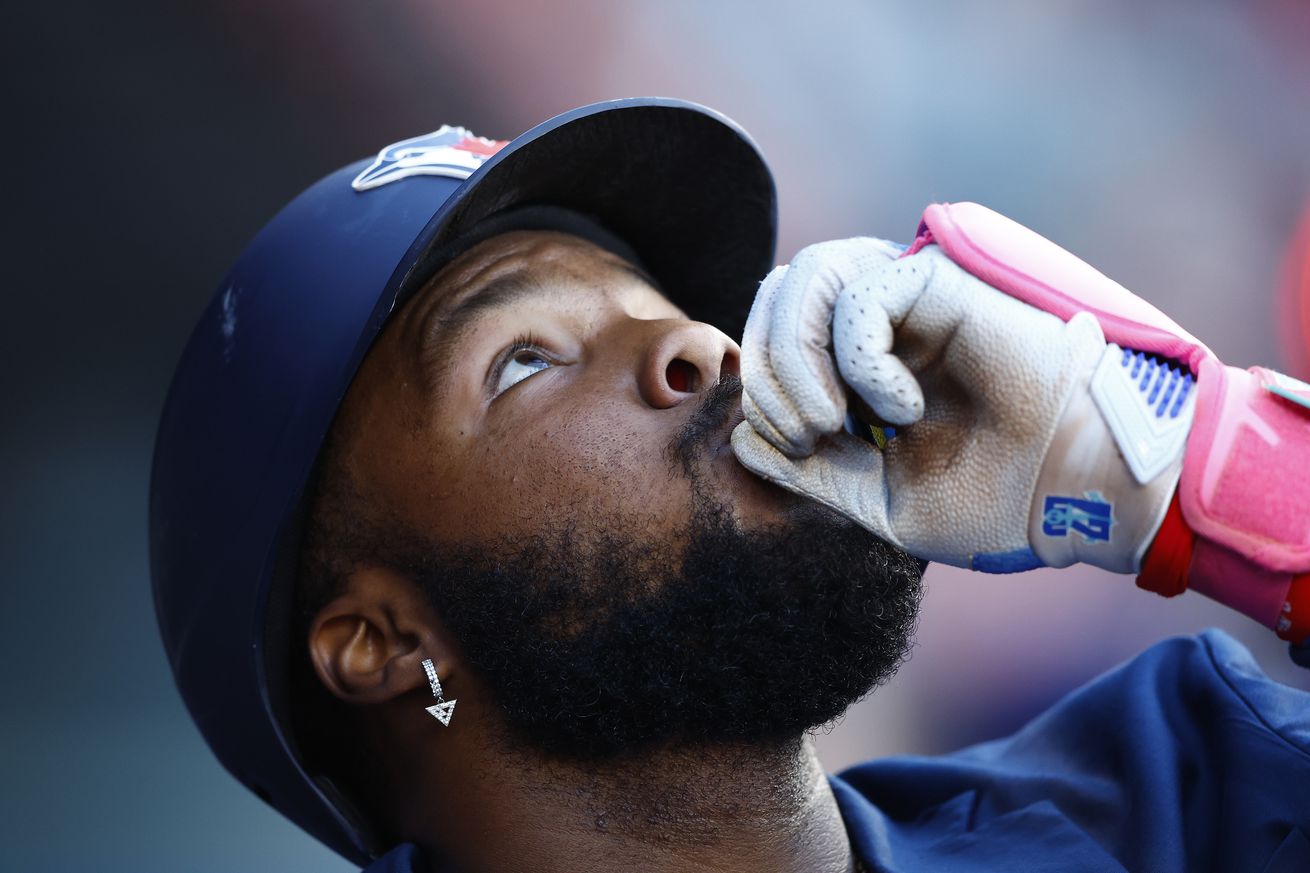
(443, 709)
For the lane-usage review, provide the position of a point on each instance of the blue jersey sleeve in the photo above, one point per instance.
(1186, 758)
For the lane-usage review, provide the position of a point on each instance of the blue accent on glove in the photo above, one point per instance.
(1158, 374)
(1091, 515)
(1006, 562)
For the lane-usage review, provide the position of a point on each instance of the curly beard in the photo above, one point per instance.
(597, 642)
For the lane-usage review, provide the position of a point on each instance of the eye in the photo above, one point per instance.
(520, 362)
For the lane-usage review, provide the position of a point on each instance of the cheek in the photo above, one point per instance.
(601, 459)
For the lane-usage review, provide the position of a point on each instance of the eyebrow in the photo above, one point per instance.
(443, 329)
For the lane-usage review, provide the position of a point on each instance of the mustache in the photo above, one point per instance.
(717, 404)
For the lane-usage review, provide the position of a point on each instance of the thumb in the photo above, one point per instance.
(844, 473)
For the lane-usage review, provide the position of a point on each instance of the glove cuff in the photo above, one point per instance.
(1244, 484)
(1169, 566)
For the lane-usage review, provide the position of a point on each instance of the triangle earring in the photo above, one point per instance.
(443, 709)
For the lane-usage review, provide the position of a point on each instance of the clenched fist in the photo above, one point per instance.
(1002, 459)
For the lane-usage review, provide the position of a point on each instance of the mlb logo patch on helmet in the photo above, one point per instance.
(450, 151)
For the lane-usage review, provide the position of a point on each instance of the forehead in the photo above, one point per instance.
(523, 258)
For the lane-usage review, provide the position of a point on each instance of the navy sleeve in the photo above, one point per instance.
(1186, 758)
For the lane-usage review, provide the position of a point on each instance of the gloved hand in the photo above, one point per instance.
(787, 344)
(1002, 460)
(1026, 438)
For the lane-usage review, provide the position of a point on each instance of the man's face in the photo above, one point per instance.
(547, 377)
(548, 435)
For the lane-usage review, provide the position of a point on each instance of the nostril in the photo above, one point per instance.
(681, 376)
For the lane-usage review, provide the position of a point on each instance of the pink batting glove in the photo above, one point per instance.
(1106, 434)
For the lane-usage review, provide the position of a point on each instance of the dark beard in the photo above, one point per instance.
(597, 642)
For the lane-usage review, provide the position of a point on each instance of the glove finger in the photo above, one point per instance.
(765, 403)
(899, 284)
(762, 426)
(846, 474)
(800, 341)
(862, 340)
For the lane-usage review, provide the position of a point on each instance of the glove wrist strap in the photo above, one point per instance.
(1169, 567)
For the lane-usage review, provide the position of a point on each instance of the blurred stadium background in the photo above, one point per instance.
(1165, 142)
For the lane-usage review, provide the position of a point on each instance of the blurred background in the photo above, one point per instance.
(1164, 142)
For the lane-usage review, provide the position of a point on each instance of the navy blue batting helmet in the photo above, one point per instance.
(273, 354)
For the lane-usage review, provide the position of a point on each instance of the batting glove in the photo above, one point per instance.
(1001, 462)
(1045, 415)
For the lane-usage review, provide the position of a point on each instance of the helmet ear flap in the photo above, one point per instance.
(352, 814)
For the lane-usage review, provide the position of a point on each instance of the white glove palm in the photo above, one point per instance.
(993, 396)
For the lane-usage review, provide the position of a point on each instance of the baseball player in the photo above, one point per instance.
(479, 544)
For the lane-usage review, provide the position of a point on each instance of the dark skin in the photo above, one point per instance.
(474, 445)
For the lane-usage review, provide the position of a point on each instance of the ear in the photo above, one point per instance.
(368, 645)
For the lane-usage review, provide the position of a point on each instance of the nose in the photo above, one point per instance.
(682, 358)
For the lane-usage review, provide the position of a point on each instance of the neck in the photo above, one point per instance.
(714, 808)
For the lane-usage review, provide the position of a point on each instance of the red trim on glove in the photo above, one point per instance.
(1167, 561)
(1294, 620)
